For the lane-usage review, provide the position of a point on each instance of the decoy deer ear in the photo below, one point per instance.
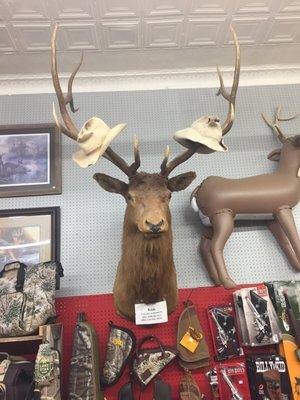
(274, 155)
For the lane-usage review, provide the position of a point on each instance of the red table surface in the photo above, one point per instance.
(100, 310)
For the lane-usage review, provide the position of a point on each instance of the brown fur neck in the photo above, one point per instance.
(148, 262)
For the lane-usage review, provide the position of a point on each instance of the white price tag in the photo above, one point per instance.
(155, 313)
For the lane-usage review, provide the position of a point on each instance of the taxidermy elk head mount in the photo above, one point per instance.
(146, 272)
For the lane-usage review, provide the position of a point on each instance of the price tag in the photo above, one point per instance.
(155, 313)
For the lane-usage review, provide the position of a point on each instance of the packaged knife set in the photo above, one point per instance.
(233, 381)
(268, 377)
(224, 334)
(257, 321)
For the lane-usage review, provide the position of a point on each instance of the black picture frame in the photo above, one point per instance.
(30, 160)
(38, 226)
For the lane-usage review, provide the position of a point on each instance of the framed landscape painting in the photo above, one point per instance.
(29, 235)
(30, 160)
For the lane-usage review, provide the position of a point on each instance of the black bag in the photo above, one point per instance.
(16, 378)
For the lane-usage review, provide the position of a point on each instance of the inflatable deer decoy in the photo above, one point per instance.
(269, 197)
(146, 272)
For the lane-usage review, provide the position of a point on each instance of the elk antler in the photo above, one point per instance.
(230, 97)
(275, 125)
(193, 147)
(70, 129)
(166, 168)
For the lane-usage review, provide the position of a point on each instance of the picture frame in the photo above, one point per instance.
(30, 160)
(30, 235)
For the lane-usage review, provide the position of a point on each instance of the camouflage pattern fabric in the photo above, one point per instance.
(11, 311)
(23, 312)
(149, 363)
(120, 345)
(47, 373)
(84, 382)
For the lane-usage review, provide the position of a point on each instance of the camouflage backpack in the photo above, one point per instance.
(27, 296)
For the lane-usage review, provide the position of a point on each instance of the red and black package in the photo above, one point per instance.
(233, 381)
(268, 377)
(224, 334)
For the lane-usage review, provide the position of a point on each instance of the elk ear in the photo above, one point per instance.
(274, 155)
(181, 182)
(111, 184)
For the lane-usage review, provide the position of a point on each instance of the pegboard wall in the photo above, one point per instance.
(99, 311)
(91, 219)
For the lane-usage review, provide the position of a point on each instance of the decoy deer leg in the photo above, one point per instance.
(285, 218)
(205, 251)
(223, 224)
(284, 243)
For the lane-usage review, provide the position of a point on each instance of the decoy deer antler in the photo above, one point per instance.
(275, 125)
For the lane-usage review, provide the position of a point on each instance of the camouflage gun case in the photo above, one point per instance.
(84, 369)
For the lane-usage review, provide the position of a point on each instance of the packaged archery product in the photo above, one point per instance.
(224, 333)
(286, 297)
(257, 318)
(233, 381)
(268, 377)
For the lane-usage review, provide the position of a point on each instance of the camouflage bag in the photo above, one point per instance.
(47, 374)
(84, 382)
(120, 346)
(148, 363)
(27, 295)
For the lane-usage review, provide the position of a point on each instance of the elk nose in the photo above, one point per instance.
(155, 228)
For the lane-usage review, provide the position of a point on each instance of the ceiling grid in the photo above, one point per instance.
(146, 35)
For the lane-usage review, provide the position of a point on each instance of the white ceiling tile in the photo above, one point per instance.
(6, 42)
(119, 8)
(121, 35)
(33, 36)
(79, 35)
(154, 8)
(203, 32)
(26, 9)
(71, 9)
(210, 6)
(149, 26)
(290, 6)
(163, 33)
(284, 30)
(249, 29)
(4, 14)
(255, 6)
